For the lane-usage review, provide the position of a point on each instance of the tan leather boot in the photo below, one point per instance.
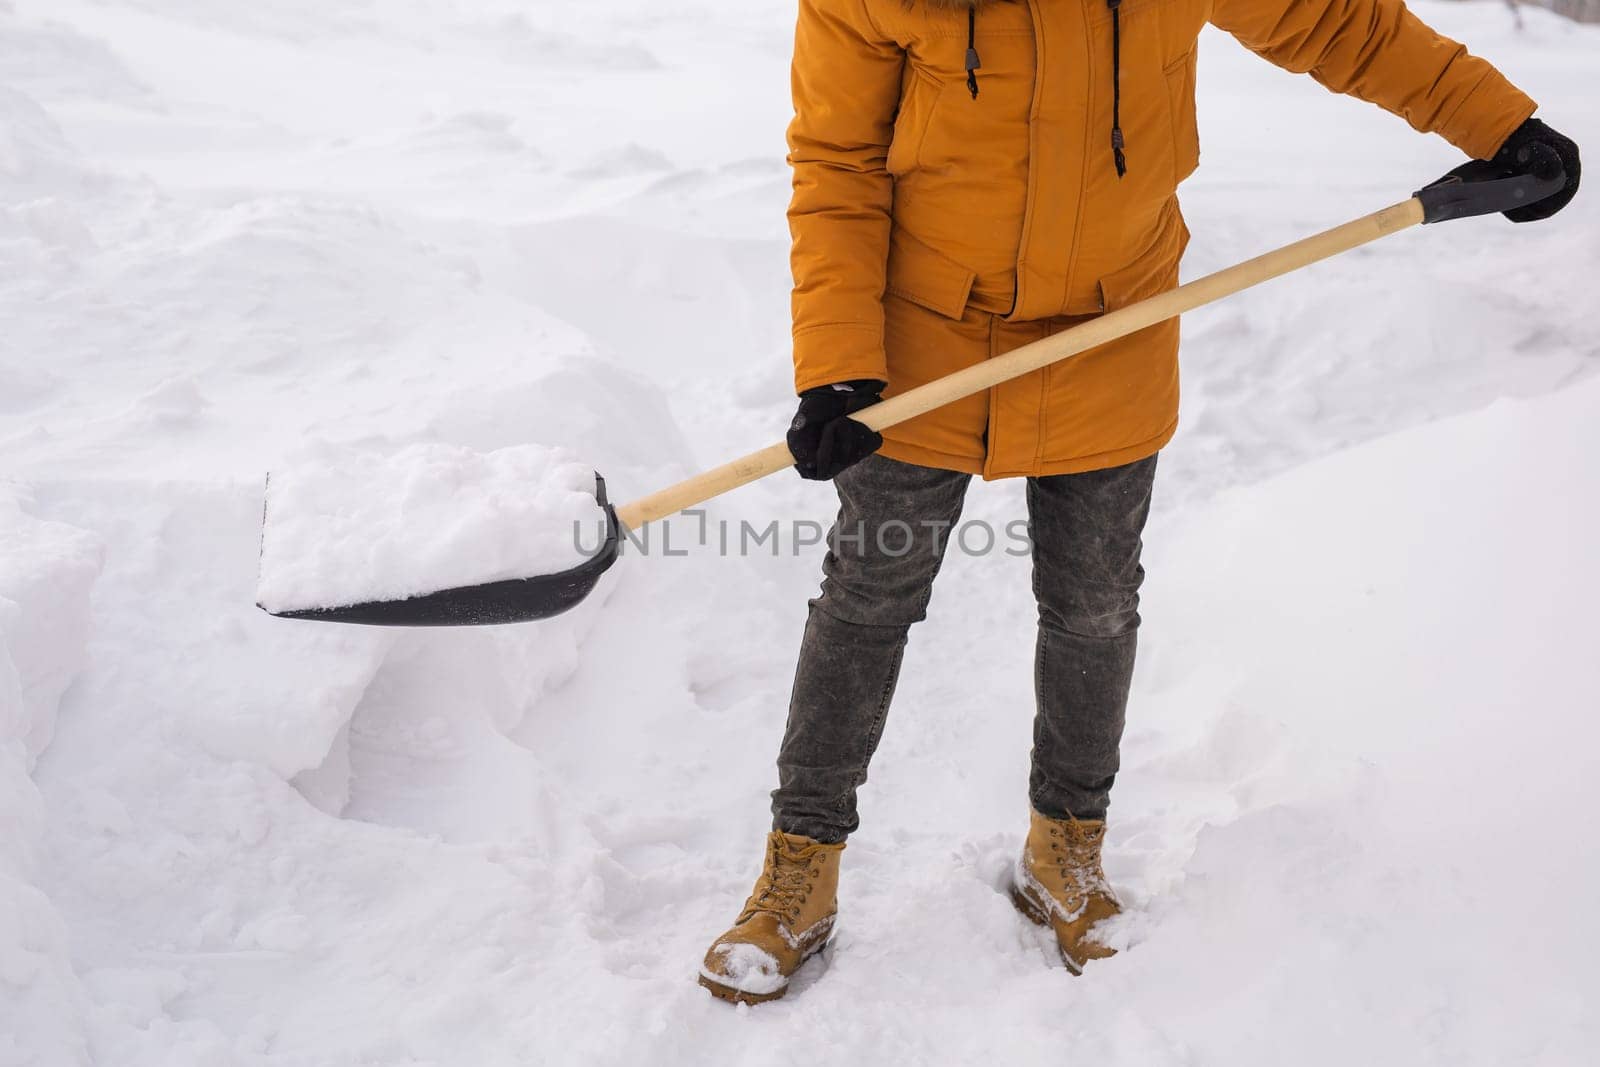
(786, 921)
(1059, 883)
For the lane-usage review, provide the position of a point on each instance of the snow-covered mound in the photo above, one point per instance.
(1352, 824)
(1380, 669)
(46, 572)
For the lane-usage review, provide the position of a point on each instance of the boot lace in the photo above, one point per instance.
(785, 884)
(1075, 853)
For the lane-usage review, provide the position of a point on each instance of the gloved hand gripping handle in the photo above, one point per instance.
(1477, 189)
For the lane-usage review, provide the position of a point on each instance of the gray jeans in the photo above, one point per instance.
(1085, 530)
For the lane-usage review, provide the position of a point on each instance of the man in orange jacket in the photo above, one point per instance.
(970, 176)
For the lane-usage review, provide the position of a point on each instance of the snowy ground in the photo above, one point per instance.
(1354, 823)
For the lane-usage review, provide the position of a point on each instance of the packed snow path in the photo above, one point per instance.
(1354, 822)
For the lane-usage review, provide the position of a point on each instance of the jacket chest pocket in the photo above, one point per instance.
(1142, 60)
(919, 98)
(1181, 23)
(941, 123)
(1180, 78)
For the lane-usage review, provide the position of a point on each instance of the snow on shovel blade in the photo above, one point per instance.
(427, 538)
(489, 604)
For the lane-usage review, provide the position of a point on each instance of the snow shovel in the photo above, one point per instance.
(1475, 189)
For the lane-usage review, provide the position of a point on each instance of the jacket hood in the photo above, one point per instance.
(954, 5)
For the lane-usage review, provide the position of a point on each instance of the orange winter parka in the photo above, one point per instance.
(934, 226)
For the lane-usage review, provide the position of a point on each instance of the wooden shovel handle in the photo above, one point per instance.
(1031, 357)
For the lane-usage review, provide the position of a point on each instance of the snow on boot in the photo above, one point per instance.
(1059, 883)
(786, 921)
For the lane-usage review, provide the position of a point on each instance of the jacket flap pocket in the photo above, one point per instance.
(923, 275)
(1153, 272)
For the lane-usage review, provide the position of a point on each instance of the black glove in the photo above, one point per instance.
(823, 440)
(1534, 148)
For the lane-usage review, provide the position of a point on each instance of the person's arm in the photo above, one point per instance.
(846, 82)
(1378, 51)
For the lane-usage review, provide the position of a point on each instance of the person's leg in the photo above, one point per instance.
(1086, 531)
(884, 551)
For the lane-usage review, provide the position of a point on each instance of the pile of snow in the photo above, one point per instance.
(47, 570)
(1380, 668)
(362, 528)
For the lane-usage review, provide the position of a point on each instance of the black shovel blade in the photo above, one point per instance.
(489, 604)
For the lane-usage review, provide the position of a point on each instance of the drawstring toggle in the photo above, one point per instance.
(973, 63)
(1117, 143)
